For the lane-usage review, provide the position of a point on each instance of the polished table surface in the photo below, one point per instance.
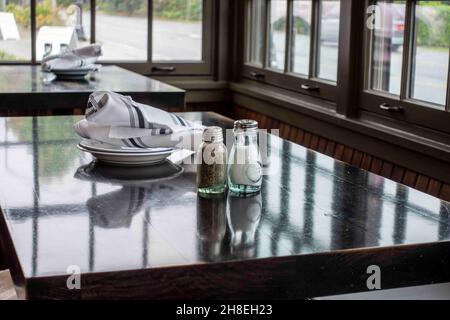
(23, 86)
(315, 228)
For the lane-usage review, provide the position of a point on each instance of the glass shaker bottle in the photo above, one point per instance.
(212, 163)
(245, 168)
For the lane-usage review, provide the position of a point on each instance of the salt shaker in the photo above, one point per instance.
(244, 168)
(212, 163)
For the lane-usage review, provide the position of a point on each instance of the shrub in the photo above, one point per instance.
(436, 31)
(301, 26)
(6, 56)
(190, 10)
(129, 7)
(45, 15)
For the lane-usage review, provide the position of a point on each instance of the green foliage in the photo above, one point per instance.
(21, 14)
(190, 10)
(435, 32)
(45, 14)
(6, 56)
(280, 24)
(129, 7)
(301, 26)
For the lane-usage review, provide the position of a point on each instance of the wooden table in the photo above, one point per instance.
(315, 228)
(23, 87)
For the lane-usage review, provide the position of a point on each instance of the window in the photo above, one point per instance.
(387, 47)
(185, 32)
(150, 36)
(277, 34)
(60, 25)
(301, 40)
(328, 39)
(256, 29)
(15, 31)
(408, 62)
(293, 44)
(121, 27)
(430, 54)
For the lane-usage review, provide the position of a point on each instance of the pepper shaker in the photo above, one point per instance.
(212, 163)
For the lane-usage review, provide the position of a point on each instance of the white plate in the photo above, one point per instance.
(81, 70)
(96, 145)
(72, 72)
(76, 73)
(128, 159)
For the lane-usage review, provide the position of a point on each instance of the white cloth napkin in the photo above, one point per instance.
(116, 119)
(78, 58)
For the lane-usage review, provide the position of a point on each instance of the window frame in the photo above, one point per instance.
(287, 79)
(413, 111)
(148, 66)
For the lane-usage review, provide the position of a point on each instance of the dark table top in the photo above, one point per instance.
(23, 86)
(313, 230)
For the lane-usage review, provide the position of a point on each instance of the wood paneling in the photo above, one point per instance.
(344, 153)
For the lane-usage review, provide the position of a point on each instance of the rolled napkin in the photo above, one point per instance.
(116, 119)
(82, 57)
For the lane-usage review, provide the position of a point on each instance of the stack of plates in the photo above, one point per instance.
(74, 74)
(123, 156)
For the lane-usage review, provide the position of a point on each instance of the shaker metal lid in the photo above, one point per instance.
(213, 134)
(245, 124)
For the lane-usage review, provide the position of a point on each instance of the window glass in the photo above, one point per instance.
(431, 51)
(177, 30)
(61, 25)
(328, 39)
(15, 31)
(301, 36)
(255, 32)
(277, 36)
(387, 46)
(121, 28)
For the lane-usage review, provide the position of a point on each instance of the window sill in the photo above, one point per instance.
(320, 117)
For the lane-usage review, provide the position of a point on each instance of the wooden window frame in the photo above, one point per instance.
(413, 111)
(287, 79)
(350, 94)
(147, 66)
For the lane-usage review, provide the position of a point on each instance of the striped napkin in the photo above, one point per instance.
(116, 119)
(84, 57)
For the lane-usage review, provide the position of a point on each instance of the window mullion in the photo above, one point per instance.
(448, 86)
(33, 30)
(288, 48)
(248, 31)
(313, 51)
(150, 32)
(92, 16)
(266, 33)
(407, 50)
